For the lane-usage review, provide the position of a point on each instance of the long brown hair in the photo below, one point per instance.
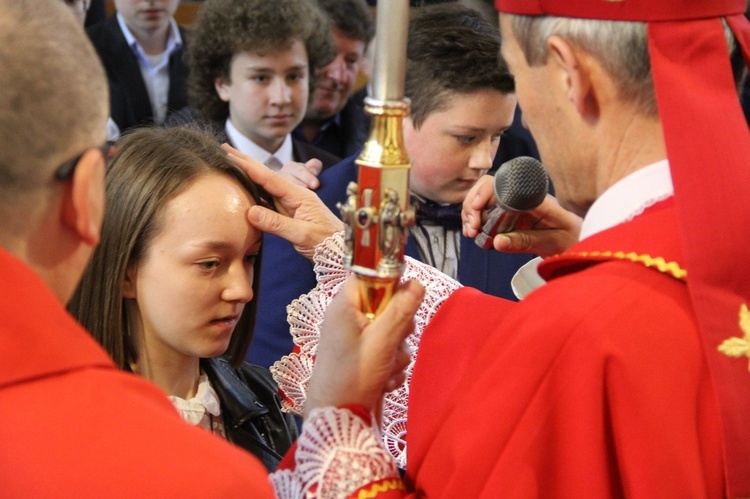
(151, 167)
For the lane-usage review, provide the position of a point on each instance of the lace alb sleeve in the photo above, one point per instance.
(337, 453)
(306, 314)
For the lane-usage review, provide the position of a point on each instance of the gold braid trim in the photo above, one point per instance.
(380, 487)
(658, 263)
(739, 347)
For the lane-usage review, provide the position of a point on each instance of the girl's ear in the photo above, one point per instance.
(128, 286)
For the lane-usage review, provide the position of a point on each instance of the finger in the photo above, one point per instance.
(481, 196)
(470, 227)
(540, 242)
(401, 359)
(305, 177)
(257, 171)
(276, 185)
(270, 222)
(299, 178)
(314, 166)
(516, 242)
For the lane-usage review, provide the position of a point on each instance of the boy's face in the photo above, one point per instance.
(267, 94)
(454, 147)
(146, 15)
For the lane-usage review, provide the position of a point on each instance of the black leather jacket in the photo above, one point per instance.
(251, 409)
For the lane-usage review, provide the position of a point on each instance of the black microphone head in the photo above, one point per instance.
(521, 184)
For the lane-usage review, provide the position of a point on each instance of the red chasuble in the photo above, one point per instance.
(595, 385)
(73, 425)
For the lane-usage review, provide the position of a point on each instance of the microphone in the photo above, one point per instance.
(521, 185)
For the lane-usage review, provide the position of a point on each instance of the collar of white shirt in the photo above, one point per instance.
(623, 201)
(174, 41)
(247, 146)
(628, 198)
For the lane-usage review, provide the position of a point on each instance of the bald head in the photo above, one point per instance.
(53, 95)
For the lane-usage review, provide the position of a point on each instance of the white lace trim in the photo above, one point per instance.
(305, 316)
(337, 453)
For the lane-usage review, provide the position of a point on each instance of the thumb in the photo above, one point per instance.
(517, 242)
(396, 321)
(271, 222)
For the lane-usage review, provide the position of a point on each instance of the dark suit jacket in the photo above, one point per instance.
(129, 102)
(517, 141)
(301, 150)
(285, 275)
(347, 132)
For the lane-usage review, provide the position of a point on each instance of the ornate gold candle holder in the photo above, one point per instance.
(378, 212)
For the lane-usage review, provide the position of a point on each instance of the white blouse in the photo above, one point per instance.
(204, 409)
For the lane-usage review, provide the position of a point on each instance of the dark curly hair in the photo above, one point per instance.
(351, 17)
(224, 28)
(451, 49)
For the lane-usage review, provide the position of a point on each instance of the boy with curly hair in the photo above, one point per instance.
(251, 64)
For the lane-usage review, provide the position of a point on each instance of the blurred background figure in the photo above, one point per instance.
(335, 120)
(80, 8)
(141, 47)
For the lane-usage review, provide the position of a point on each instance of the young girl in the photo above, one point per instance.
(170, 288)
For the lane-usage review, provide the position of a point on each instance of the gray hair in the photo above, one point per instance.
(620, 46)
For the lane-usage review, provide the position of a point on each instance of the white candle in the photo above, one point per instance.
(391, 30)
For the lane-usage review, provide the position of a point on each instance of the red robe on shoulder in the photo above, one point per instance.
(594, 385)
(73, 425)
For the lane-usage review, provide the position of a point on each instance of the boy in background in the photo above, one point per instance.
(251, 64)
(141, 48)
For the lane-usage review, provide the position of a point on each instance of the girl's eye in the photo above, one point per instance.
(209, 265)
(250, 259)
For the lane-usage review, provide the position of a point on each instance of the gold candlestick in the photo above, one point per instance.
(377, 211)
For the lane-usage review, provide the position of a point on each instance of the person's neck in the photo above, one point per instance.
(270, 145)
(638, 142)
(153, 41)
(177, 375)
(36, 236)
